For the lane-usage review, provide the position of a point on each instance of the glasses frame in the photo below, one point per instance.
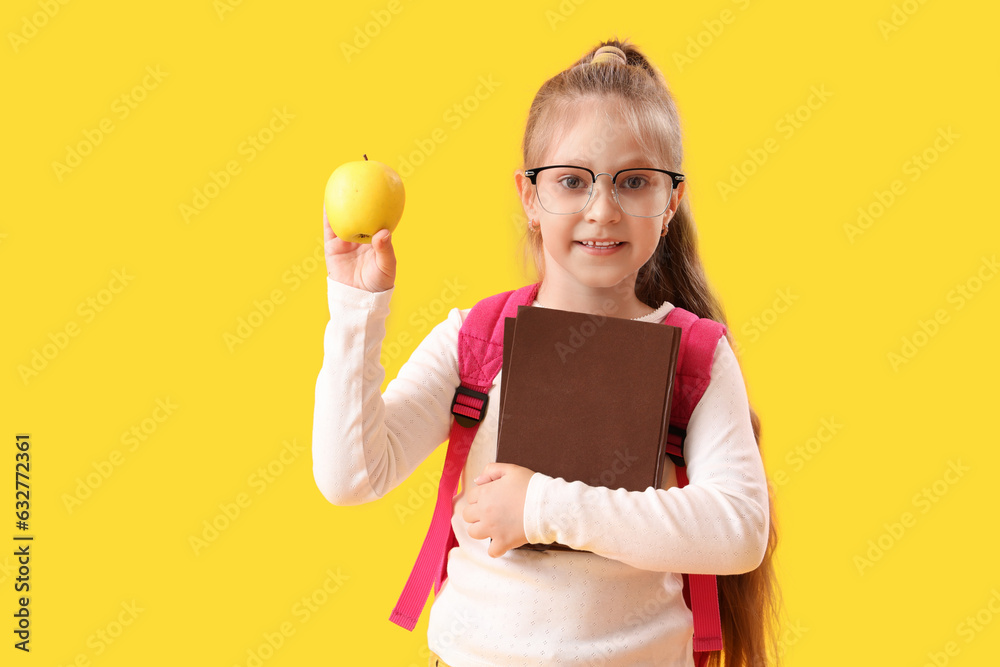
(675, 179)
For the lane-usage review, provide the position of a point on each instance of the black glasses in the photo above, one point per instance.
(566, 189)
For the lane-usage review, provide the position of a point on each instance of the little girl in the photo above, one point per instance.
(610, 234)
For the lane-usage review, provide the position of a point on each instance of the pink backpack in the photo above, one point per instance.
(480, 356)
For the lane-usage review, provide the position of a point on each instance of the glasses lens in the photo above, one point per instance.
(564, 190)
(643, 192)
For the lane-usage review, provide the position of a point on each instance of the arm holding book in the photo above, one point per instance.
(718, 524)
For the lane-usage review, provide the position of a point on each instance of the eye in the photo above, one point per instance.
(572, 182)
(634, 182)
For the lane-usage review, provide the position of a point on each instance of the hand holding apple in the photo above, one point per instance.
(363, 205)
(367, 266)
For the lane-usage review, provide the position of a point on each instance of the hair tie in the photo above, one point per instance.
(609, 54)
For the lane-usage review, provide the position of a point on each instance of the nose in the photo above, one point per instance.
(603, 207)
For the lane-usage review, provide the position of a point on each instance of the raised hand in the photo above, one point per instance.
(367, 266)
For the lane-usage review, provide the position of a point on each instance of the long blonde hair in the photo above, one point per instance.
(637, 91)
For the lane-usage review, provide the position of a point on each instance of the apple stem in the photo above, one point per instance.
(365, 156)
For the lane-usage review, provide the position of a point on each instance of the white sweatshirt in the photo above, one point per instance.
(620, 604)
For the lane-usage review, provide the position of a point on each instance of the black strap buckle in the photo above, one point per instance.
(675, 445)
(464, 419)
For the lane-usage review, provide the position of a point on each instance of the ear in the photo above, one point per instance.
(526, 192)
(675, 201)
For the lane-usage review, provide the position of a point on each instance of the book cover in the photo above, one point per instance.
(586, 397)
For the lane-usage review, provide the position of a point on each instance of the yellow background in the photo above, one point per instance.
(889, 89)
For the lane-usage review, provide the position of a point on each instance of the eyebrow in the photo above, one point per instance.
(579, 161)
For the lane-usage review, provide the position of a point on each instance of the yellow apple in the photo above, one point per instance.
(363, 197)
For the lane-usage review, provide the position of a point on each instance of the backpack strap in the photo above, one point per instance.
(699, 338)
(480, 356)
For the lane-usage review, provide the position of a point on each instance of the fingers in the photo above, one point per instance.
(470, 517)
(382, 242)
(385, 258)
(477, 531)
(471, 513)
(491, 473)
(327, 230)
(481, 529)
(333, 244)
(496, 549)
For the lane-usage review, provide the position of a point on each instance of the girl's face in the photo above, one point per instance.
(596, 140)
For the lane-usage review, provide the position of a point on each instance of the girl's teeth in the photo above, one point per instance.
(600, 245)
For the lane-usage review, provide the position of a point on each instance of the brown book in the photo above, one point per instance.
(586, 398)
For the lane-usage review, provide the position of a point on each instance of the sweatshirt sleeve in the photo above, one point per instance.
(365, 442)
(717, 524)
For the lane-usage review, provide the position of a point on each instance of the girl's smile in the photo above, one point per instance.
(600, 246)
